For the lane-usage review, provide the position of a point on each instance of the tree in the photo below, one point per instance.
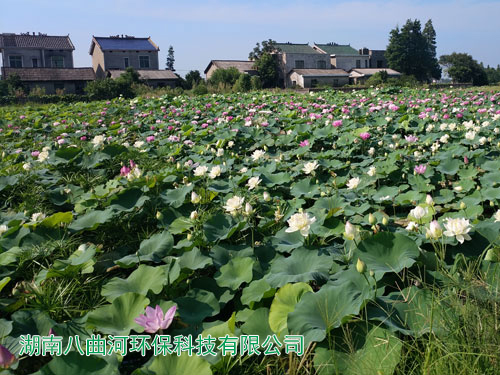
(462, 68)
(224, 76)
(193, 78)
(412, 52)
(170, 59)
(266, 62)
(243, 84)
(493, 74)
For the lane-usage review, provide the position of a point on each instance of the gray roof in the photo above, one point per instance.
(337, 49)
(321, 72)
(126, 43)
(365, 72)
(146, 74)
(51, 74)
(295, 48)
(243, 66)
(43, 41)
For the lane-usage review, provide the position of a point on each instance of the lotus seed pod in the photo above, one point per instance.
(360, 266)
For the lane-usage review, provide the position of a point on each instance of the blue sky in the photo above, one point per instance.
(222, 29)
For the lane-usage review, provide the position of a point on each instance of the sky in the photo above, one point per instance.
(201, 31)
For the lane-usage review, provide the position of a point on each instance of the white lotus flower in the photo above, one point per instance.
(3, 228)
(98, 141)
(248, 209)
(42, 156)
(419, 212)
(470, 135)
(353, 183)
(193, 215)
(411, 226)
(428, 200)
(253, 183)
(266, 196)
(215, 172)
(257, 154)
(300, 222)
(195, 198)
(372, 171)
(497, 216)
(26, 166)
(434, 231)
(134, 173)
(220, 152)
(350, 231)
(138, 144)
(38, 216)
(200, 170)
(310, 167)
(457, 228)
(234, 204)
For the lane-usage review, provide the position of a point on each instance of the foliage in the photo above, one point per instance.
(170, 59)
(243, 84)
(493, 74)
(227, 76)
(257, 214)
(193, 78)
(413, 52)
(268, 47)
(463, 68)
(109, 88)
(268, 69)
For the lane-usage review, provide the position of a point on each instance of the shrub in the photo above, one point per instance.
(256, 83)
(243, 84)
(227, 76)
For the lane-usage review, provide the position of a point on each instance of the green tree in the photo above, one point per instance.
(462, 68)
(412, 52)
(256, 83)
(193, 78)
(266, 62)
(227, 76)
(268, 46)
(170, 59)
(493, 74)
(243, 84)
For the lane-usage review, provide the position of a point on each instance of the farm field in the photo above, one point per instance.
(322, 233)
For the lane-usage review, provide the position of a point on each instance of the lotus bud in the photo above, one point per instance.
(385, 221)
(492, 204)
(159, 215)
(267, 196)
(463, 206)
(491, 256)
(371, 219)
(194, 215)
(434, 231)
(178, 165)
(195, 198)
(360, 266)
(350, 231)
(189, 236)
(265, 148)
(372, 274)
(429, 200)
(248, 209)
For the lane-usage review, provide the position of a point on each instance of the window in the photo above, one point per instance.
(125, 62)
(16, 61)
(299, 64)
(34, 62)
(58, 61)
(144, 62)
(321, 64)
(358, 63)
(380, 64)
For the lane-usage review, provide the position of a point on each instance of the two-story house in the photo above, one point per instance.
(44, 61)
(343, 56)
(112, 55)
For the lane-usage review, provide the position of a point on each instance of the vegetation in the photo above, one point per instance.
(170, 59)
(413, 52)
(366, 222)
(463, 68)
(266, 63)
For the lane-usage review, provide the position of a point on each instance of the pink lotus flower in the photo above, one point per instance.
(154, 320)
(6, 357)
(466, 160)
(304, 143)
(420, 169)
(411, 138)
(35, 153)
(337, 123)
(124, 171)
(151, 138)
(364, 136)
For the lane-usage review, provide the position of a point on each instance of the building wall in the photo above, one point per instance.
(44, 57)
(288, 61)
(98, 63)
(377, 59)
(308, 82)
(211, 71)
(348, 62)
(70, 87)
(115, 59)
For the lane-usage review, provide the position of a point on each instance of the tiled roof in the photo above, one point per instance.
(242, 65)
(295, 48)
(51, 74)
(35, 41)
(337, 49)
(146, 74)
(371, 71)
(127, 43)
(321, 72)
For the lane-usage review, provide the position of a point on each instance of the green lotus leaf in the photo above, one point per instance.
(235, 272)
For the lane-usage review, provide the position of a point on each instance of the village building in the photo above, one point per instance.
(343, 56)
(359, 76)
(318, 77)
(243, 66)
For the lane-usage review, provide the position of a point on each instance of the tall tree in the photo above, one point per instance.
(463, 68)
(266, 62)
(412, 52)
(193, 78)
(170, 59)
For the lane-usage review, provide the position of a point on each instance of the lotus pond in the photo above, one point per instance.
(364, 223)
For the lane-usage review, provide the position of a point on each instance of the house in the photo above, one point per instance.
(298, 56)
(359, 76)
(36, 51)
(376, 57)
(318, 77)
(243, 66)
(343, 56)
(52, 80)
(120, 52)
(153, 78)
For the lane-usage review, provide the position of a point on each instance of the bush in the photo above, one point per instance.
(200, 89)
(37, 91)
(256, 83)
(243, 84)
(111, 88)
(227, 76)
